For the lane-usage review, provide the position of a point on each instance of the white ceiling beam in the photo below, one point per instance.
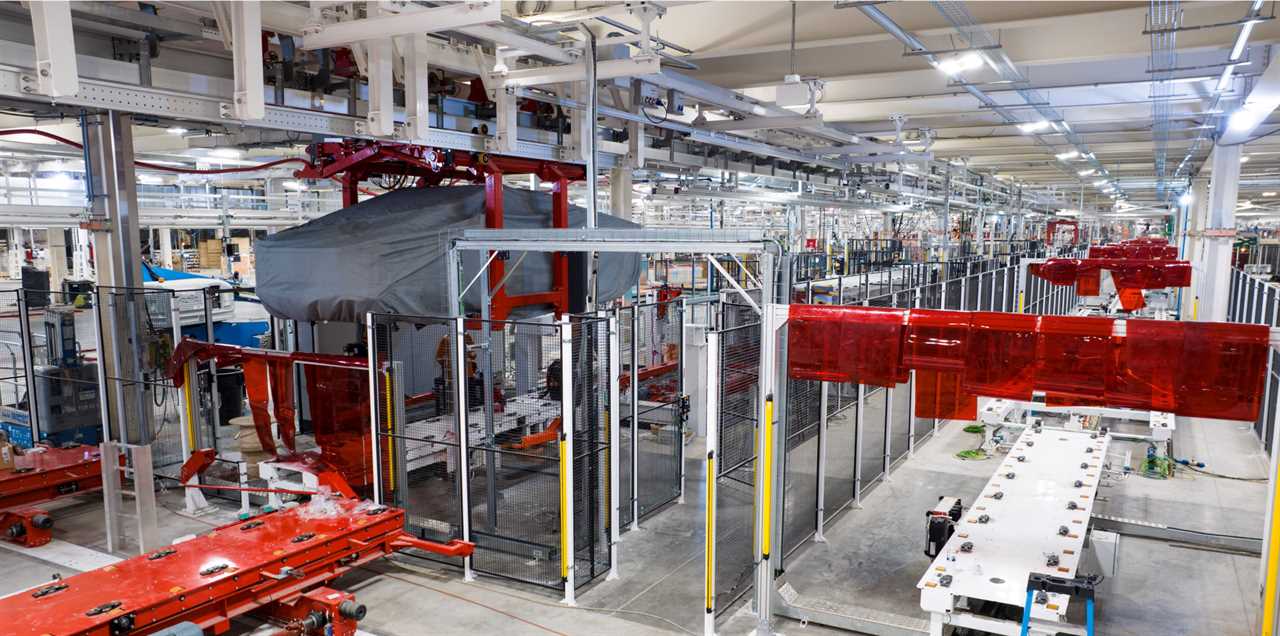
(428, 20)
(577, 72)
(757, 123)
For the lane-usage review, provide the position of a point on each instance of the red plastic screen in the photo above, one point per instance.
(812, 333)
(939, 395)
(937, 340)
(1073, 355)
(1144, 365)
(1213, 378)
(1001, 354)
(1199, 369)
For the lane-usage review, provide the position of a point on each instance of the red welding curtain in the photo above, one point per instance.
(1213, 378)
(940, 396)
(1073, 355)
(1213, 370)
(282, 399)
(339, 401)
(862, 345)
(1000, 358)
(255, 386)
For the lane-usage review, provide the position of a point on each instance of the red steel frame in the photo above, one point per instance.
(351, 162)
(1051, 230)
(40, 476)
(276, 564)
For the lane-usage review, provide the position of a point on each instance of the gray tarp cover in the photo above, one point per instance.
(387, 255)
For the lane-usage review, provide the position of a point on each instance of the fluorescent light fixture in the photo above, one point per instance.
(961, 63)
(1224, 82)
(296, 186)
(176, 130)
(1268, 194)
(225, 153)
(1244, 119)
(1070, 154)
(1033, 126)
(61, 180)
(1185, 199)
(1085, 173)
(149, 179)
(1242, 39)
(1068, 213)
(1244, 158)
(1100, 182)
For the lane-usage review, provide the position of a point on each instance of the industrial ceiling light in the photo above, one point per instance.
(1185, 199)
(225, 153)
(1033, 126)
(1244, 158)
(1242, 39)
(1085, 173)
(960, 63)
(1224, 82)
(1068, 155)
(296, 186)
(1100, 182)
(176, 130)
(1268, 194)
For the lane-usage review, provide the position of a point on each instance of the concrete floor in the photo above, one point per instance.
(872, 560)
(874, 555)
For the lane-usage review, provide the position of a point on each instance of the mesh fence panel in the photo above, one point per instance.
(660, 426)
(419, 449)
(591, 495)
(804, 415)
(739, 365)
(873, 434)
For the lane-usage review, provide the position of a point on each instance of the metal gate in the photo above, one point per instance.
(738, 366)
(653, 420)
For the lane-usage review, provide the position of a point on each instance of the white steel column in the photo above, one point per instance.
(568, 551)
(165, 238)
(1218, 235)
(461, 411)
(57, 242)
(823, 402)
(615, 371)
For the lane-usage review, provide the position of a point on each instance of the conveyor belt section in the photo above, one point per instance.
(39, 475)
(1031, 517)
(275, 564)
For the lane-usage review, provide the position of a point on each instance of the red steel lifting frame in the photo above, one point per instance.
(275, 564)
(39, 476)
(351, 162)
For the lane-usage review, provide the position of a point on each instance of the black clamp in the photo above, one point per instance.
(1079, 587)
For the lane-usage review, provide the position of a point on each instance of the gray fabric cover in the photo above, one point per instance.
(387, 255)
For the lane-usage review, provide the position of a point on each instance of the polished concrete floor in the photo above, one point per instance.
(871, 561)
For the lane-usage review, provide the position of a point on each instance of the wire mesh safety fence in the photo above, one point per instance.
(591, 491)
(656, 351)
(516, 464)
(1254, 299)
(141, 401)
(738, 399)
(418, 441)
